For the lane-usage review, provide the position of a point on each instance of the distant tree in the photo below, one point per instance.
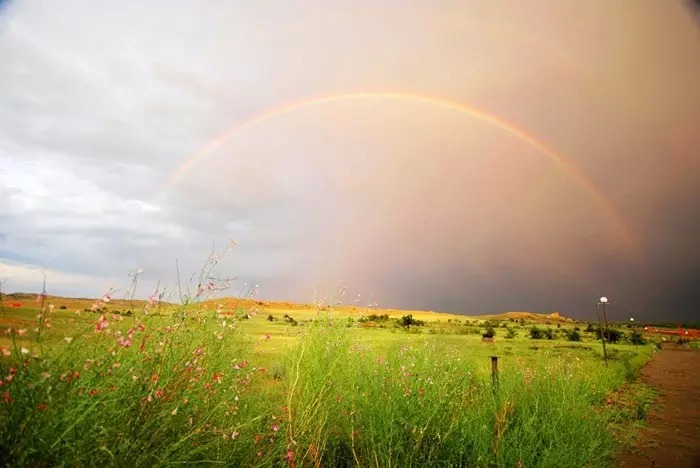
(407, 320)
(548, 333)
(590, 328)
(536, 333)
(489, 332)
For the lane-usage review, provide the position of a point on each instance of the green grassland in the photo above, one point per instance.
(242, 382)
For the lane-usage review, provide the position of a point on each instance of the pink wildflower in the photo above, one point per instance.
(101, 324)
(275, 427)
(125, 342)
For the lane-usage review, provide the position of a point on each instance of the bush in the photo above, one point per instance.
(548, 333)
(270, 317)
(511, 333)
(573, 335)
(636, 338)
(489, 332)
(63, 307)
(611, 335)
(536, 333)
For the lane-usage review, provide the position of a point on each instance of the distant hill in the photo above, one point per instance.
(229, 303)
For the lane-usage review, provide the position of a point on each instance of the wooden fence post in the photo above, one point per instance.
(494, 372)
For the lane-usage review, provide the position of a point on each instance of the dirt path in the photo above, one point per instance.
(672, 435)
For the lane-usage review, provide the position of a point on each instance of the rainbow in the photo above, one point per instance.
(555, 157)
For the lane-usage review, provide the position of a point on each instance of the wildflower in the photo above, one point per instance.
(174, 412)
(22, 331)
(6, 352)
(217, 377)
(24, 350)
(93, 392)
(267, 337)
(116, 365)
(101, 324)
(125, 342)
(275, 427)
(51, 307)
(7, 398)
(76, 374)
(68, 339)
(41, 407)
(234, 434)
(290, 456)
(154, 378)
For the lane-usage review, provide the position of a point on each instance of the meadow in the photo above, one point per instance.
(252, 383)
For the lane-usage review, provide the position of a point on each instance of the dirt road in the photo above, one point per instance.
(672, 436)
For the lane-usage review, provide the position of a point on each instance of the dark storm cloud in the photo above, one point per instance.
(406, 203)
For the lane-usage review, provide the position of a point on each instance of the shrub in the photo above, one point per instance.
(536, 333)
(270, 317)
(636, 338)
(611, 335)
(63, 307)
(511, 333)
(489, 332)
(573, 335)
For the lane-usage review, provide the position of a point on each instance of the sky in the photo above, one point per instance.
(463, 156)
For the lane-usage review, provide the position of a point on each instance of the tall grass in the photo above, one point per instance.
(165, 391)
(423, 403)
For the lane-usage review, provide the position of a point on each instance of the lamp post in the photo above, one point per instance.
(603, 337)
(634, 334)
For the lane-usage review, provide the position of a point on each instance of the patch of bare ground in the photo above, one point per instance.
(671, 437)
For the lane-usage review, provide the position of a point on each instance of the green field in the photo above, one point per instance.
(241, 384)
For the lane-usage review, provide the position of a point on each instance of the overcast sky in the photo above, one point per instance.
(405, 201)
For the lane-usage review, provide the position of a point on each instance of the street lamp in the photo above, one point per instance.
(634, 334)
(602, 301)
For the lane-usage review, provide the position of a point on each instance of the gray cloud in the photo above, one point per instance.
(417, 206)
